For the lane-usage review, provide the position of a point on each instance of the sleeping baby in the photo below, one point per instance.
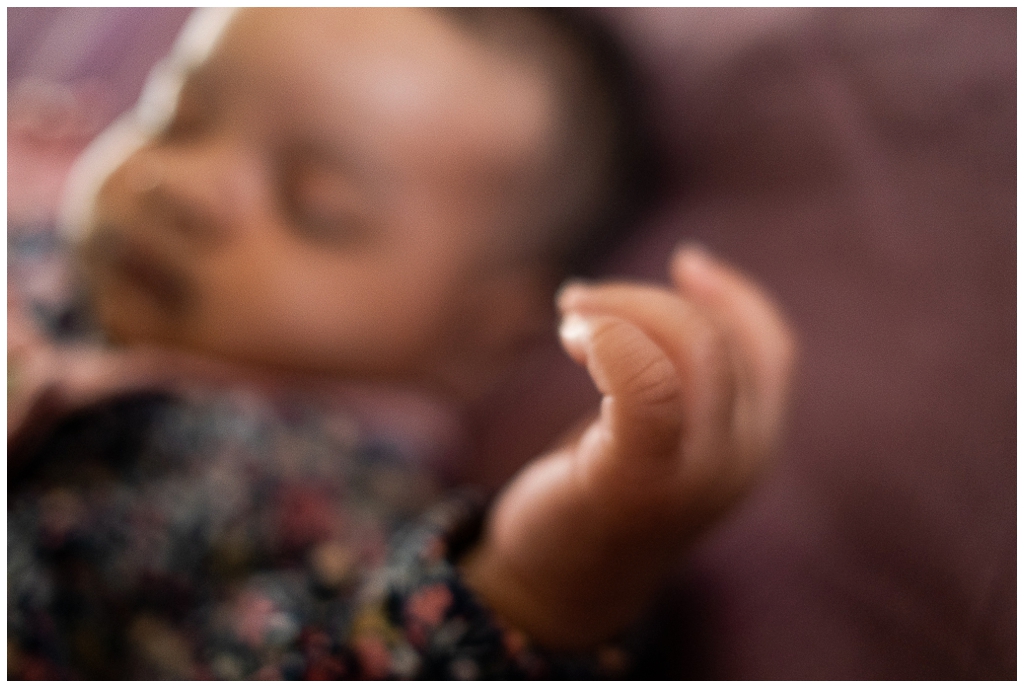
(383, 200)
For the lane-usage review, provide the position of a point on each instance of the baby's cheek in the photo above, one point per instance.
(338, 313)
(304, 333)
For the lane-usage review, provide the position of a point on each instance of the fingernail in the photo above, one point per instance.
(693, 257)
(570, 291)
(575, 331)
(694, 266)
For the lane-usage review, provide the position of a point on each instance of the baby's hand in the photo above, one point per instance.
(695, 386)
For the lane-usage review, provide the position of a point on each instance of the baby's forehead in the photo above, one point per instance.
(410, 98)
(401, 54)
(383, 76)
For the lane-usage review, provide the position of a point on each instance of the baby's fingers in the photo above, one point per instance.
(692, 342)
(641, 414)
(763, 343)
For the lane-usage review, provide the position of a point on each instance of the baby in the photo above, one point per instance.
(393, 197)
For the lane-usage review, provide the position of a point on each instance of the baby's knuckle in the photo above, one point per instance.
(606, 331)
(618, 341)
(654, 382)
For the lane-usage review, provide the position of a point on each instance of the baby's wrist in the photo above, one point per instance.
(557, 612)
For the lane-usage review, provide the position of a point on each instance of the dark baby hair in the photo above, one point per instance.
(636, 173)
(608, 149)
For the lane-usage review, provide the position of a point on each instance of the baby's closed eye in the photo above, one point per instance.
(323, 202)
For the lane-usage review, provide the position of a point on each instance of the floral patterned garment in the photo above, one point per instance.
(229, 536)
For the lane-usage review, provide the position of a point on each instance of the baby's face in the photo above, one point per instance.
(327, 196)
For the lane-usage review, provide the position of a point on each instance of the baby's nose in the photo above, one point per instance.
(205, 195)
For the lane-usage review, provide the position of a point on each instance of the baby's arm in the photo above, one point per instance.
(695, 385)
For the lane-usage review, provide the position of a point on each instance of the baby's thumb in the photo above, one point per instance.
(641, 413)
